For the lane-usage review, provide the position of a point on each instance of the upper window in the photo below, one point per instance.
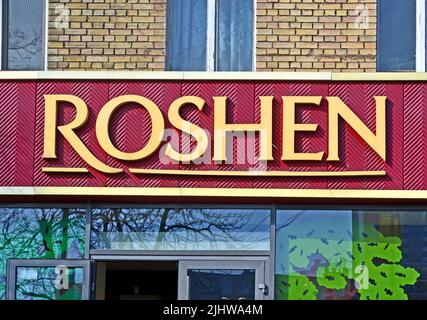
(180, 229)
(210, 35)
(23, 40)
(401, 35)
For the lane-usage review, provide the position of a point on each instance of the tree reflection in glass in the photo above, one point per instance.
(49, 233)
(180, 229)
(25, 20)
(39, 283)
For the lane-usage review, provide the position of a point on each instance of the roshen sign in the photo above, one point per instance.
(337, 110)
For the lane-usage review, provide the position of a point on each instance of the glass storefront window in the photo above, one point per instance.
(40, 233)
(41, 283)
(350, 254)
(221, 284)
(180, 229)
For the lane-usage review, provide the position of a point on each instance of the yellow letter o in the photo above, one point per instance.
(103, 124)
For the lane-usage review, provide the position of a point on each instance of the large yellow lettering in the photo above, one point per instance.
(185, 126)
(50, 126)
(290, 127)
(265, 128)
(103, 124)
(377, 141)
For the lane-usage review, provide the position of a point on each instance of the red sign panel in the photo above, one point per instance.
(22, 135)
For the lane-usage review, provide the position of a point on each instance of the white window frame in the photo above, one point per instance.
(211, 35)
(254, 33)
(1, 34)
(46, 35)
(420, 51)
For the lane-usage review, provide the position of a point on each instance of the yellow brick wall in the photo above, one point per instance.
(292, 35)
(316, 35)
(106, 34)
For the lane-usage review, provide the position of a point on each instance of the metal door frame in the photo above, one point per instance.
(13, 264)
(184, 260)
(184, 266)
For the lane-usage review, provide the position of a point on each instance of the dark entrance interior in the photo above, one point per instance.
(137, 280)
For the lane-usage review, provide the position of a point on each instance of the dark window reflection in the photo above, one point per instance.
(234, 35)
(180, 229)
(367, 255)
(187, 35)
(25, 34)
(30, 233)
(396, 35)
(221, 284)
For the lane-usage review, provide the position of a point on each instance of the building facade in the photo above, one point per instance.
(276, 35)
(225, 149)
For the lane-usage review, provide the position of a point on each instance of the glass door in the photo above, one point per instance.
(36, 279)
(221, 280)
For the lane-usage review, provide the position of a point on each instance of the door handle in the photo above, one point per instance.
(264, 288)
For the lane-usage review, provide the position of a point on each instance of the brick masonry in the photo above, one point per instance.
(316, 35)
(292, 35)
(107, 34)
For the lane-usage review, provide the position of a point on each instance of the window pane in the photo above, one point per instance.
(234, 35)
(40, 283)
(186, 35)
(396, 35)
(221, 284)
(351, 255)
(25, 40)
(180, 229)
(30, 233)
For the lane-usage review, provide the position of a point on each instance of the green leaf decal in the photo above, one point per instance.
(367, 267)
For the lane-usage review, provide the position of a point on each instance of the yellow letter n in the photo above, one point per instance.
(376, 141)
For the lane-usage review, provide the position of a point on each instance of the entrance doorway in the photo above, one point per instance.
(141, 278)
(186, 278)
(136, 280)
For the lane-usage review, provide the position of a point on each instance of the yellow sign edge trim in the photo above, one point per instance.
(255, 173)
(213, 76)
(214, 192)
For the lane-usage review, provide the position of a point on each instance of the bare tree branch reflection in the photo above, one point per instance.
(24, 46)
(40, 287)
(185, 229)
(29, 233)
